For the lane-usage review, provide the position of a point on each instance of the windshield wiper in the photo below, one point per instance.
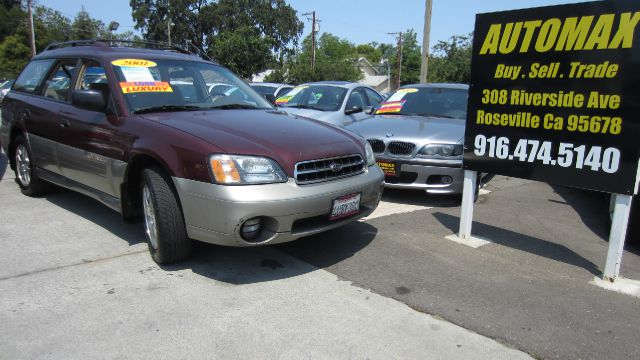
(166, 108)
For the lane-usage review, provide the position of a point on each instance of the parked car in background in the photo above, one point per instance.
(337, 102)
(4, 89)
(155, 141)
(417, 136)
(273, 90)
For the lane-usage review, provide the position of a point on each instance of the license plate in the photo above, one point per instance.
(388, 168)
(345, 206)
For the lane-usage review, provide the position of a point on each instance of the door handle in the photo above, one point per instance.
(65, 124)
(26, 115)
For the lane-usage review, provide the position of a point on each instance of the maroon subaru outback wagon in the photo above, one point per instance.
(183, 143)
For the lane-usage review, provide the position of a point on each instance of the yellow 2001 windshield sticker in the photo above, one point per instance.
(145, 86)
(134, 63)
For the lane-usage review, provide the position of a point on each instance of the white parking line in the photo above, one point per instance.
(389, 208)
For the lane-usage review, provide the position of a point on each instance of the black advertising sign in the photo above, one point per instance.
(555, 95)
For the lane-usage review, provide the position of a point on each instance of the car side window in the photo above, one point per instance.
(94, 77)
(32, 76)
(57, 85)
(356, 99)
(283, 91)
(374, 98)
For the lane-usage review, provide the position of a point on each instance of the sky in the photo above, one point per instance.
(359, 21)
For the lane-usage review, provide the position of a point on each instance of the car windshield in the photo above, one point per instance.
(264, 89)
(317, 97)
(438, 102)
(151, 85)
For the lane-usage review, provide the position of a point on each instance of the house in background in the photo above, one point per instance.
(374, 75)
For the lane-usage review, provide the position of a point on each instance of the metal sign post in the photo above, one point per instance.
(468, 195)
(617, 236)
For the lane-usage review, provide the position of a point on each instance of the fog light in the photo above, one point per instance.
(446, 180)
(251, 229)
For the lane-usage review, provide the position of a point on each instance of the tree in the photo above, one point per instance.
(245, 35)
(450, 60)
(411, 59)
(84, 27)
(14, 54)
(336, 59)
(370, 51)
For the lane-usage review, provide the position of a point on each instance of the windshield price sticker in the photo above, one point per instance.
(400, 93)
(288, 96)
(554, 95)
(390, 107)
(142, 86)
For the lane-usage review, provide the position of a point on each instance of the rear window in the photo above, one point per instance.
(32, 76)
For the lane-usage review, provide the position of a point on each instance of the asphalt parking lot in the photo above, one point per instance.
(76, 282)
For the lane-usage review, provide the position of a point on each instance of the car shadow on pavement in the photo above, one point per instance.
(250, 265)
(97, 213)
(522, 242)
(420, 198)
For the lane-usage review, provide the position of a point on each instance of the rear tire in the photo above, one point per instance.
(26, 176)
(163, 220)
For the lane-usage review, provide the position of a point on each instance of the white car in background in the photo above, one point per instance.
(337, 102)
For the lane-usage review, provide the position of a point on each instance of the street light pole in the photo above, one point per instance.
(169, 25)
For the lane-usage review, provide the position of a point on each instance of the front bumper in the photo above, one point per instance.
(427, 175)
(215, 213)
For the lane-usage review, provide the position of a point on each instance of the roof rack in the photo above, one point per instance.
(115, 42)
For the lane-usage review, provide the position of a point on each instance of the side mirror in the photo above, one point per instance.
(89, 100)
(353, 110)
(368, 110)
(271, 98)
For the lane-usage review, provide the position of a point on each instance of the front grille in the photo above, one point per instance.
(376, 145)
(328, 169)
(400, 148)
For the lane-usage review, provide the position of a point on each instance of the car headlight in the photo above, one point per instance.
(245, 170)
(369, 152)
(441, 151)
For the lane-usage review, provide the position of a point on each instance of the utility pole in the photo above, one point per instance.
(32, 35)
(169, 30)
(425, 42)
(399, 57)
(313, 39)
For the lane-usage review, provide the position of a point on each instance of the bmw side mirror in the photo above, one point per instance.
(353, 110)
(368, 110)
(89, 100)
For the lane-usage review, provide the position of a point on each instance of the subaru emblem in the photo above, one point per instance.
(335, 167)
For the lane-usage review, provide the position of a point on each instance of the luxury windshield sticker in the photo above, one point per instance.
(390, 107)
(130, 87)
(285, 99)
(554, 95)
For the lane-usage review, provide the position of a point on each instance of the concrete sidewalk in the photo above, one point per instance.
(76, 283)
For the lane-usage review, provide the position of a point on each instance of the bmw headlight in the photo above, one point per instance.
(245, 170)
(441, 151)
(369, 152)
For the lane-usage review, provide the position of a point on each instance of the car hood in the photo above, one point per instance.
(285, 138)
(417, 129)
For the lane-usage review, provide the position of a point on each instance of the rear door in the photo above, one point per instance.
(27, 105)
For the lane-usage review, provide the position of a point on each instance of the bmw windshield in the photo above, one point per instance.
(421, 101)
(316, 97)
(151, 85)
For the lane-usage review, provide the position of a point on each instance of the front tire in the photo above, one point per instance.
(26, 176)
(163, 220)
